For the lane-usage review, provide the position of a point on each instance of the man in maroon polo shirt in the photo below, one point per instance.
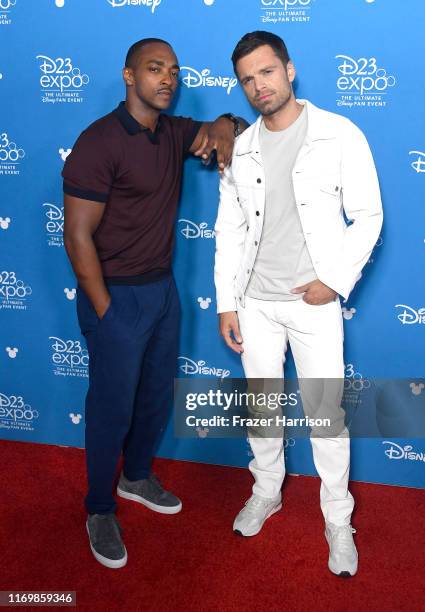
(122, 184)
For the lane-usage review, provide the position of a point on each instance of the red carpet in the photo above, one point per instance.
(193, 561)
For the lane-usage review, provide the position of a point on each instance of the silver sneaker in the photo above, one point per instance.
(343, 557)
(252, 516)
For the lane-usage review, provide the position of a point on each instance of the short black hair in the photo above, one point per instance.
(133, 53)
(259, 38)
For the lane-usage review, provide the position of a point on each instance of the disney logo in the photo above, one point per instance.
(188, 366)
(419, 164)
(152, 4)
(395, 451)
(410, 316)
(192, 78)
(193, 230)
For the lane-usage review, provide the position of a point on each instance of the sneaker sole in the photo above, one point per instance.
(111, 563)
(341, 573)
(148, 504)
(248, 535)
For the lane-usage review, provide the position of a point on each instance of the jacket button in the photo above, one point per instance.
(247, 228)
(257, 213)
(258, 180)
(256, 243)
(247, 271)
(237, 199)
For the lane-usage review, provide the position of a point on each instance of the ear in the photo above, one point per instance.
(128, 76)
(290, 71)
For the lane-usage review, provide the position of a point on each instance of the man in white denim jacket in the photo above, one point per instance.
(285, 252)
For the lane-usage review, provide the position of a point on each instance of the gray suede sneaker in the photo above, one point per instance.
(150, 493)
(105, 540)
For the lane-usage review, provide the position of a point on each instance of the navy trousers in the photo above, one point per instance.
(133, 356)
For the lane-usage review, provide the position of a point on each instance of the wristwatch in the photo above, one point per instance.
(235, 121)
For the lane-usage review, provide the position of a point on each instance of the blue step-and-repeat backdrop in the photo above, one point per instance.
(60, 69)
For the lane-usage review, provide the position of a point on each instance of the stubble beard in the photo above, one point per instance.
(268, 109)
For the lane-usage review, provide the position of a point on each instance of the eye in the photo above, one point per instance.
(154, 69)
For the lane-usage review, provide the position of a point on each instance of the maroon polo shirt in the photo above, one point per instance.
(137, 174)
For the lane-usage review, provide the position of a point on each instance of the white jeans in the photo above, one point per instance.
(315, 334)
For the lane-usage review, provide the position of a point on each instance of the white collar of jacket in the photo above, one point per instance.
(320, 126)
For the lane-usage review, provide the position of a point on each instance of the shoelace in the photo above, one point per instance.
(255, 503)
(343, 536)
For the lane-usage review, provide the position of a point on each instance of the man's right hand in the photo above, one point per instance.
(229, 324)
(101, 309)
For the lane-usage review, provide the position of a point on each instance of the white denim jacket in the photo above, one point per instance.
(334, 173)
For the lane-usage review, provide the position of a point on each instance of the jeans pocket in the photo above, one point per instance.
(86, 314)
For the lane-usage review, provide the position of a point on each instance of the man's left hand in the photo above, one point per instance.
(316, 293)
(220, 136)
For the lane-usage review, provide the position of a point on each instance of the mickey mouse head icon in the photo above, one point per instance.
(70, 293)
(75, 418)
(417, 389)
(204, 302)
(64, 153)
(4, 223)
(202, 433)
(348, 313)
(12, 352)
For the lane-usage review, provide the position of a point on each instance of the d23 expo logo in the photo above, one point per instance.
(60, 81)
(54, 224)
(6, 7)
(16, 414)
(69, 358)
(418, 161)
(362, 82)
(285, 11)
(14, 292)
(11, 156)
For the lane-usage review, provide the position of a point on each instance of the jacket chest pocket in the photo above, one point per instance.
(329, 194)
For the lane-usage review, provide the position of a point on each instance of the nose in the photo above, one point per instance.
(258, 84)
(167, 79)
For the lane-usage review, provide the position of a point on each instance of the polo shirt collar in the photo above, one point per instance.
(130, 124)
